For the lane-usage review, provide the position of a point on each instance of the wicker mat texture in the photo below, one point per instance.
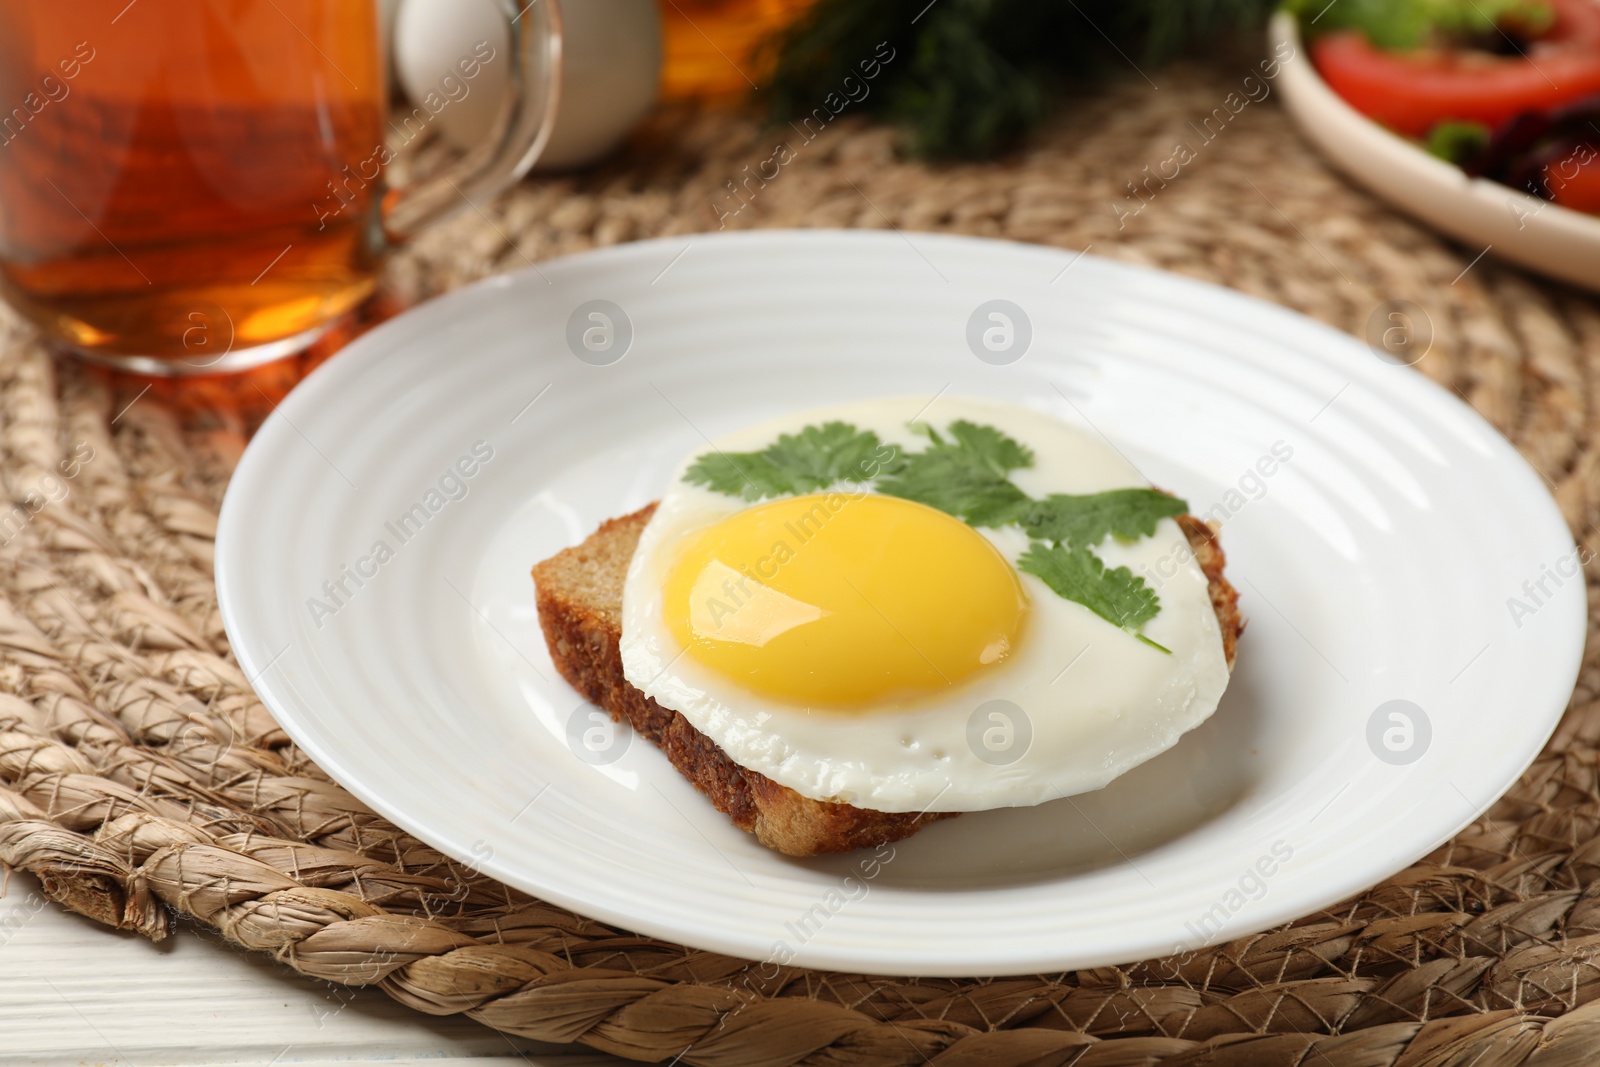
(142, 780)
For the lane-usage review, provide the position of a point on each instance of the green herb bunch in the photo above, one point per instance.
(971, 77)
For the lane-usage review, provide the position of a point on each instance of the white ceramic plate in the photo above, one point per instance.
(1485, 215)
(1375, 565)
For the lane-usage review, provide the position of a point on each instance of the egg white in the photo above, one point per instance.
(1097, 701)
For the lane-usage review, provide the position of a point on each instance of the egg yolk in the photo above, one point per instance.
(846, 600)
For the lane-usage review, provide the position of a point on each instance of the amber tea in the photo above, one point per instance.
(181, 180)
(159, 163)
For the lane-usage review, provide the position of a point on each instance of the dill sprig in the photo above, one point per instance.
(970, 78)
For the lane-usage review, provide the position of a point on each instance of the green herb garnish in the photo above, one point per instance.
(967, 474)
(964, 476)
(1078, 575)
(1085, 521)
(813, 459)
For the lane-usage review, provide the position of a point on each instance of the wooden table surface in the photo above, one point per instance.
(73, 992)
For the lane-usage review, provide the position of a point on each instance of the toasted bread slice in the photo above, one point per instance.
(580, 609)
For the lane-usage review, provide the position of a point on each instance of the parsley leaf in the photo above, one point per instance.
(1085, 521)
(964, 476)
(813, 459)
(1077, 574)
(750, 475)
(991, 447)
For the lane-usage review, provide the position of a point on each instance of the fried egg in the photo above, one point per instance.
(871, 650)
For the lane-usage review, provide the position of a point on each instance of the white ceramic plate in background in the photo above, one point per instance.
(1533, 233)
(1375, 565)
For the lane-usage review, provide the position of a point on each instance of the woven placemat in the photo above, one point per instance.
(141, 779)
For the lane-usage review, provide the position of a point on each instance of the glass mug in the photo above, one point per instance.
(198, 187)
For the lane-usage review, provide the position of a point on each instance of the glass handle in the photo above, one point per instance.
(520, 131)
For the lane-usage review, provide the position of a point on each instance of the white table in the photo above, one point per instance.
(73, 992)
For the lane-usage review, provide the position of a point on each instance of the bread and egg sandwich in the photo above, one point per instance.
(845, 624)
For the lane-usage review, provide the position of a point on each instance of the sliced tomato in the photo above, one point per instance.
(1581, 190)
(1411, 92)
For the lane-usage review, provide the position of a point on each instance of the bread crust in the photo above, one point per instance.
(579, 596)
